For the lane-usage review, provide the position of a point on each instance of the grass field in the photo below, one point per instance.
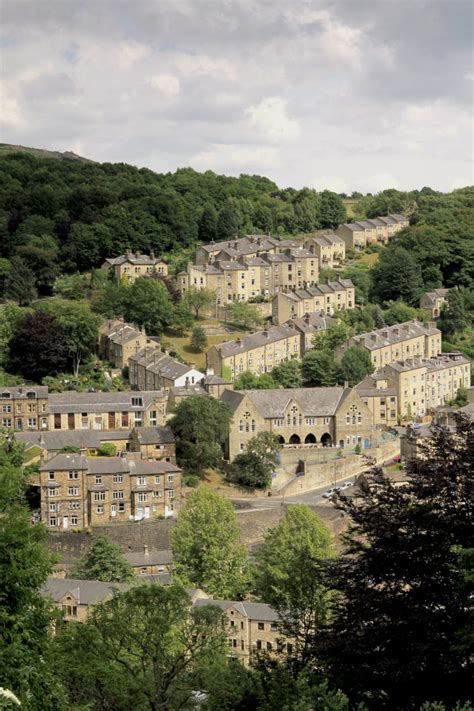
(369, 259)
(349, 205)
(181, 343)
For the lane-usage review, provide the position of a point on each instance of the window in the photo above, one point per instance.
(98, 479)
(170, 477)
(6, 408)
(99, 496)
(258, 644)
(73, 520)
(157, 494)
(73, 491)
(32, 422)
(261, 626)
(171, 494)
(51, 476)
(141, 481)
(53, 521)
(73, 475)
(137, 402)
(157, 479)
(121, 506)
(117, 478)
(269, 646)
(142, 498)
(52, 507)
(117, 494)
(152, 417)
(74, 505)
(100, 509)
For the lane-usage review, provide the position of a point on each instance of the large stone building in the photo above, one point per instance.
(334, 416)
(73, 410)
(130, 266)
(79, 491)
(119, 340)
(24, 407)
(379, 230)
(329, 248)
(423, 384)
(151, 442)
(153, 369)
(322, 298)
(75, 598)
(259, 352)
(392, 343)
(433, 301)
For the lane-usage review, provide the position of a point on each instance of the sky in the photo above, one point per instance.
(332, 94)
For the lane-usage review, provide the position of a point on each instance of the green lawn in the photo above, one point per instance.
(181, 343)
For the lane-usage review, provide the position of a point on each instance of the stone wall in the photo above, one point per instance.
(319, 472)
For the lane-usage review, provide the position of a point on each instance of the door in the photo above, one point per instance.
(147, 512)
(366, 443)
(71, 421)
(65, 522)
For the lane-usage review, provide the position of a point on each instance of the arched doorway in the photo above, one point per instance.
(310, 439)
(326, 440)
(295, 439)
(281, 440)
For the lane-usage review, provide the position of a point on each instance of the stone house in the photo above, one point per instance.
(334, 416)
(75, 598)
(153, 369)
(80, 492)
(130, 266)
(24, 407)
(152, 442)
(358, 235)
(432, 302)
(399, 342)
(149, 562)
(381, 400)
(259, 352)
(322, 299)
(119, 340)
(73, 410)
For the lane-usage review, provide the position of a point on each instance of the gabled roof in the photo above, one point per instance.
(258, 611)
(138, 259)
(86, 592)
(316, 402)
(141, 558)
(73, 401)
(255, 340)
(393, 334)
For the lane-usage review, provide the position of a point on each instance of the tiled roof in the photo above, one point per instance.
(72, 401)
(21, 391)
(258, 611)
(393, 334)
(107, 465)
(144, 259)
(255, 340)
(436, 294)
(151, 558)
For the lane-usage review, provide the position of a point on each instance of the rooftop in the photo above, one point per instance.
(316, 402)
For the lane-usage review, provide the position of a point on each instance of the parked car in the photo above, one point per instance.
(331, 492)
(346, 485)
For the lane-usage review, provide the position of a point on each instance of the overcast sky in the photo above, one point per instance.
(345, 95)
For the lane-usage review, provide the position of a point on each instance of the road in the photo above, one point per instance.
(311, 498)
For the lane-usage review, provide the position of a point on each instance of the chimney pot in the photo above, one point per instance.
(145, 549)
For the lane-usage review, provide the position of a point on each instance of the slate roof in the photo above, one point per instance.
(87, 592)
(258, 611)
(312, 322)
(314, 402)
(20, 392)
(185, 391)
(387, 220)
(72, 401)
(141, 558)
(143, 259)
(255, 340)
(393, 334)
(107, 465)
(436, 294)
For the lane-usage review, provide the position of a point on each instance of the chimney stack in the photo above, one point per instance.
(145, 549)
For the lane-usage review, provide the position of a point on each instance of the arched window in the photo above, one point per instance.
(241, 425)
(253, 425)
(247, 428)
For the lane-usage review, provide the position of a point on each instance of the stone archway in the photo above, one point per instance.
(310, 439)
(294, 439)
(281, 440)
(326, 439)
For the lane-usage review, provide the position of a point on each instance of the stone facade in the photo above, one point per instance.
(118, 341)
(24, 407)
(324, 299)
(392, 343)
(432, 302)
(300, 417)
(153, 369)
(379, 230)
(81, 492)
(130, 266)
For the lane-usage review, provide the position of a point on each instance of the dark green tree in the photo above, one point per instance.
(198, 299)
(227, 226)
(39, 347)
(288, 374)
(319, 369)
(248, 469)
(207, 231)
(80, 328)
(453, 317)
(248, 381)
(355, 365)
(26, 617)
(396, 276)
(332, 212)
(198, 339)
(402, 632)
(147, 303)
(20, 282)
(398, 312)
(154, 661)
(103, 561)
(207, 552)
(243, 314)
(432, 277)
(182, 318)
(201, 427)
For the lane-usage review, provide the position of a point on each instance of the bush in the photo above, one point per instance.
(69, 448)
(192, 480)
(248, 469)
(107, 449)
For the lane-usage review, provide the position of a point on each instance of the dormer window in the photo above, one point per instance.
(31, 394)
(6, 395)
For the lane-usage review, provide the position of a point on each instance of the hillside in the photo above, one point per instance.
(8, 148)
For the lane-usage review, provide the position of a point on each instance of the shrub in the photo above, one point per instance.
(107, 449)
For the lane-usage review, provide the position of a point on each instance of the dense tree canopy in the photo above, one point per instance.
(38, 347)
(207, 552)
(104, 561)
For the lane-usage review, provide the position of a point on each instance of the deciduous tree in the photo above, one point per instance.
(198, 339)
(243, 314)
(207, 552)
(147, 303)
(198, 299)
(104, 561)
(39, 347)
(355, 365)
(20, 282)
